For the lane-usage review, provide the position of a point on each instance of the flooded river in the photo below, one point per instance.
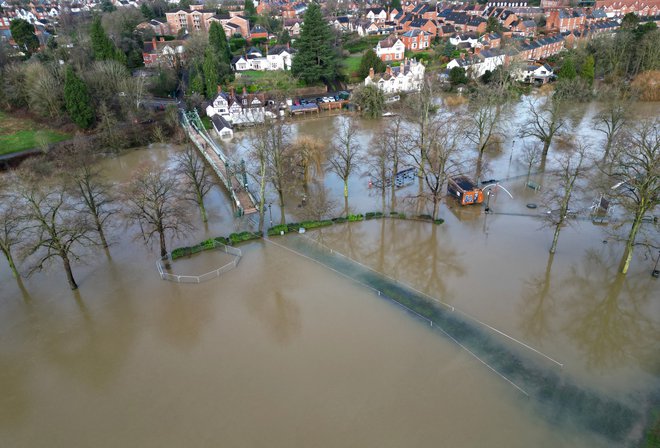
(283, 351)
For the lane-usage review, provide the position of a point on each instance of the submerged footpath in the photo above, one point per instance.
(555, 396)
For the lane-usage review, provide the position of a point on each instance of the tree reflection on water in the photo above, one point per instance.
(608, 321)
(538, 306)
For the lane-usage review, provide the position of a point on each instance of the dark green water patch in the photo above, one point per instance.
(555, 396)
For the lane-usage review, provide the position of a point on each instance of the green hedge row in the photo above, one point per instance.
(209, 244)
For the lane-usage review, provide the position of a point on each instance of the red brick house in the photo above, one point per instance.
(416, 40)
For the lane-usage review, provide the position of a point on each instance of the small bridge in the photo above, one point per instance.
(233, 178)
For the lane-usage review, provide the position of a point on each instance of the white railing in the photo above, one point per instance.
(163, 265)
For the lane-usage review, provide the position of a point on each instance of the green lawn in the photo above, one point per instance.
(18, 134)
(351, 66)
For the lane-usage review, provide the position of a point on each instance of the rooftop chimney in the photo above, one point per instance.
(244, 90)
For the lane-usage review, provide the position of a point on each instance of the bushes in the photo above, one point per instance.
(212, 243)
(373, 215)
(276, 230)
(354, 218)
(236, 238)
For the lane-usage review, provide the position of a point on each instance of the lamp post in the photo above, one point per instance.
(656, 272)
(270, 214)
(513, 144)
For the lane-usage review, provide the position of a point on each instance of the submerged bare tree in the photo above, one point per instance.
(610, 121)
(308, 155)
(544, 123)
(154, 202)
(437, 159)
(636, 171)
(483, 123)
(95, 196)
(258, 156)
(531, 155)
(395, 138)
(57, 229)
(345, 154)
(278, 147)
(571, 167)
(13, 227)
(379, 164)
(198, 181)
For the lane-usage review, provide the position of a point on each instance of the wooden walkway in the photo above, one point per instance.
(243, 199)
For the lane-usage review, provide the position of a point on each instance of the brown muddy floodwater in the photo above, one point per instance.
(284, 352)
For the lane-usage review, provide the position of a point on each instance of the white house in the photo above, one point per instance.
(476, 65)
(279, 57)
(471, 39)
(376, 14)
(244, 109)
(535, 74)
(222, 127)
(408, 77)
(390, 49)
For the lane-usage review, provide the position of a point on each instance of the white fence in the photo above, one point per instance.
(163, 263)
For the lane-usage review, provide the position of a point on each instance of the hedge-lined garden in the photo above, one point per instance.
(236, 238)
(209, 244)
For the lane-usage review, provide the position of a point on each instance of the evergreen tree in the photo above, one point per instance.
(587, 71)
(77, 101)
(457, 76)
(197, 82)
(250, 10)
(396, 4)
(102, 46)
(147, 12)
(370, 60)
(567, 70)
(316, 59)
(219, 44)
(23, 34)
(210, 68)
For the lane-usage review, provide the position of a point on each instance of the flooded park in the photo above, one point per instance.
(388, 332)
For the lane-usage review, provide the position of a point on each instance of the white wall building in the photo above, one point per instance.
(244, 109)
(408, 77)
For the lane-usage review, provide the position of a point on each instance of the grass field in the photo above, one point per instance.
(351, 66)
(18, 134)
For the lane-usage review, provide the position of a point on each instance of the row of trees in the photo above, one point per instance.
(59, 209)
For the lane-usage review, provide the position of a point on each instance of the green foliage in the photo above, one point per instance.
(396, 4)
(277, 230)
(102, 47)
(587, 71)
(197, 82)
(629, 21)
(373, 215)
(567, 70)
(316, 59)
(77, 101)
(457, 76)
(23, 33)
(371, 100)
(493, 25)
(355, 218)
(107, 6)
(250, 9)
(218, 43)
(425, 217)
(361, 44)
(236, 238)
(210, 68)
(284, 37)
(370, 60)
(438, 221)
(237, 43)
(339, 220)
(147, 11)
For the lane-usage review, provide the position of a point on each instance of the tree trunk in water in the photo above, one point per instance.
(280, 193)
(163, 248)
(435, 206)
(628, 253)
(262, 198)
(12, 265)
(69, 272)
(202, 209)
(99, 229)
(555, 238)
(546, 148)
(480, 160)
(346, 196)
